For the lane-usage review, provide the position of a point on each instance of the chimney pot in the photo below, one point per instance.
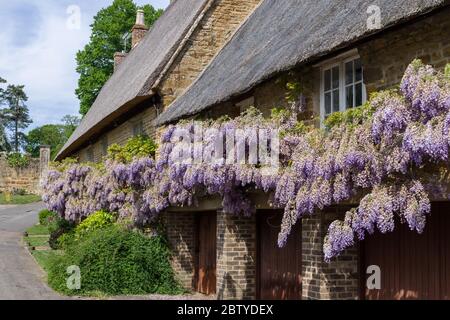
(139, 29)
(140, 18)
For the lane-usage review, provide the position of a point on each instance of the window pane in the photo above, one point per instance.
(349, 72)
(358, 94)
(358, 70)
(335, 77)
(327, 80)
(328, 103)
(349, 97)
(336, 100)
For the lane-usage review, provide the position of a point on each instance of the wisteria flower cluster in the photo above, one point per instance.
(379, 159)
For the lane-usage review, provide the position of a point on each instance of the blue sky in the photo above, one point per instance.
(38, 47)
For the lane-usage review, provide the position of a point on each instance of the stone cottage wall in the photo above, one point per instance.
(385, 58)
(120, 135)
(216, 27)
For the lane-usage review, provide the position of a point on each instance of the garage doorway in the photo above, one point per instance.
(412, 266)
(279, 270)
(206, 253)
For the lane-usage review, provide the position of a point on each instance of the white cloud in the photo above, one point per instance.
(38, 50)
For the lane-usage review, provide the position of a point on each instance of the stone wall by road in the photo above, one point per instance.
(27, 178)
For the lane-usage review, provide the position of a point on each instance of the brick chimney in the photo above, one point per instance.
(118, 58)
(139, 29)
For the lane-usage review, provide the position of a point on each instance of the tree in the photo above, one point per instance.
(15, 116)
(71, 123)
(53, 135)
(95, 62)
(4, 144)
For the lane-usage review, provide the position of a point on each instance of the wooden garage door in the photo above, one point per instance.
(206, 247)
(412, 266)
(279, 274)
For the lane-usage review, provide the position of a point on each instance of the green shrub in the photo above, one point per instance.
(352, 116)
(58, 228)
(17, 160)
(140, 146)
(97, 220)
(19, 192)
(115, 261)
(46, 217)
(64, 240)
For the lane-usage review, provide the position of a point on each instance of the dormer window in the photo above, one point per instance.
(342, 86)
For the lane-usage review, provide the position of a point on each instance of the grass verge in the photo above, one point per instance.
(20, 199)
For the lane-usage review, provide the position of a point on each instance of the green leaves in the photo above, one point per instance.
(17, 160)
(353, 116)
(136, 147)
(95, 62)
(95, 221)
(53, 135)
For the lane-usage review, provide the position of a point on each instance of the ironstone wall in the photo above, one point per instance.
(26, 178)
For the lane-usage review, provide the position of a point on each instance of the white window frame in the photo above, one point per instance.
(342, 94)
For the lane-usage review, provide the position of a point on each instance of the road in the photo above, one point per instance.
(20, 276)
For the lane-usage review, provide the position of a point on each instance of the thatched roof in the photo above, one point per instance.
(283, 34)
(133, 80)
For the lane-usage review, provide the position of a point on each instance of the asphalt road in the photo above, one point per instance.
(20, 276)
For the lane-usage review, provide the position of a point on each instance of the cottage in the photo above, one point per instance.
(340, 53)
(339, 61)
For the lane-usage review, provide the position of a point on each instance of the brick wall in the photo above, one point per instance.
(337, 280)
(216, 27)
(182, 239)
(236, 257)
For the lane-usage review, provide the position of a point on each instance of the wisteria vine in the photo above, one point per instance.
(387, 157)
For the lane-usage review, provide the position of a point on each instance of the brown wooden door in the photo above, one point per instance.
(279, 276)
(206, 267)
(412, 266)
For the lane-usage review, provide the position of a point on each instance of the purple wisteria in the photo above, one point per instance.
(383, 160)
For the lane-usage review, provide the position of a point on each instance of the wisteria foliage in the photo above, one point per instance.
(377, 159)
